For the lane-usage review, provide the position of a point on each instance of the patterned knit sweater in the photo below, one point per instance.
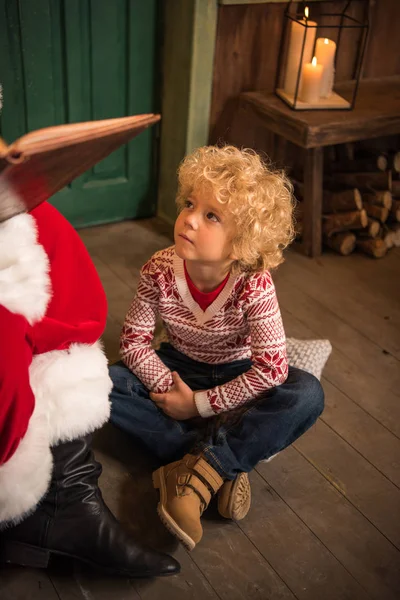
(244, 321)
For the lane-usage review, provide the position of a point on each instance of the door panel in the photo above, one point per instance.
(66, 61)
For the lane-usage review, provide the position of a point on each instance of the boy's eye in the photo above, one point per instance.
(212, 217)
(188, 204)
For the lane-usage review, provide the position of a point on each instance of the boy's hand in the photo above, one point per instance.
(179, 402)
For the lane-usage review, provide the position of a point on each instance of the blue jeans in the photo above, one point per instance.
(262, 427)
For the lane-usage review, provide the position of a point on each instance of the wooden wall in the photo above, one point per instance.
(246, 58)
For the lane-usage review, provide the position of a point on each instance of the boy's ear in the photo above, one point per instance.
(233, 256)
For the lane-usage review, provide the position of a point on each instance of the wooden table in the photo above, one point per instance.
(377, 113)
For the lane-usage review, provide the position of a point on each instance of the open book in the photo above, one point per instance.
(42, 162)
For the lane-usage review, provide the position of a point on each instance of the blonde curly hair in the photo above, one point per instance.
(259, 198)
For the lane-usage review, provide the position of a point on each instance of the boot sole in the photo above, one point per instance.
(165, 517)
(25, 555)
(233, 509)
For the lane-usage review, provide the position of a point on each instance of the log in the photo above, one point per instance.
(344, 200)
(371, 231)
(344, 221)
(394, 162)
(340, 200)
(381, 180)
(343, 242)
(395, 228)
(392, 156)
(377, 212)
(373, 227)
(378, 197)
(360, 165)
(387, 237)
(373, 247)
(394, 212)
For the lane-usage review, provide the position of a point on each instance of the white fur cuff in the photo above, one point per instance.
(74, 386)
(24, 269)
(24, 478)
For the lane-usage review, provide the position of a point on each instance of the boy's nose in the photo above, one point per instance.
(191, 220)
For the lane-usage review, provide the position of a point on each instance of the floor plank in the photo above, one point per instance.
(191, 584)
(309, 569)
(119, 294)
(363, 485)
(364, 433)
(366, 554)
(76, 583)
(110, 339)
(379, 277)
(357, 298)
(26, 584)
(366, 390)
(234, 566)
(358, 348)
(352, 422)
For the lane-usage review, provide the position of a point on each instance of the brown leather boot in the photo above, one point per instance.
(186, 487)
(234, 498)
(73, 520)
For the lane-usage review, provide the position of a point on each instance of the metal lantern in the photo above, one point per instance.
(317, 49)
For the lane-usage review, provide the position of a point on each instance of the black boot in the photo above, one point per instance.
(74, 521)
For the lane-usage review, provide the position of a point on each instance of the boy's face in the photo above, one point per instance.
(204, 230)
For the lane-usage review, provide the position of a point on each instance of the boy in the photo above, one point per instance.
(226, 344)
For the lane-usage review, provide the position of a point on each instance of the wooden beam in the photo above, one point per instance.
(188, 55)
(313, 171)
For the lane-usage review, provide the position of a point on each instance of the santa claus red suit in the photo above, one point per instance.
(54, 389)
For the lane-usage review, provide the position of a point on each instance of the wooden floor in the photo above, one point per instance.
(325, 518)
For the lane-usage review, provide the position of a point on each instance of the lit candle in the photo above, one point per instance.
(297, 33)
(325, 52)
(311, 78)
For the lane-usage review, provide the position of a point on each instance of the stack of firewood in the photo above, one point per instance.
(361, 204)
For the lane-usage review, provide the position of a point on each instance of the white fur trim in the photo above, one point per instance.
(71, 390)
(24, 478)
(24, 269)
(74, 386)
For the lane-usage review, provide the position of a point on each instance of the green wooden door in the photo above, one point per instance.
(64, 61)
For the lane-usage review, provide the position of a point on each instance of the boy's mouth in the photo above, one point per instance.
(183, 236)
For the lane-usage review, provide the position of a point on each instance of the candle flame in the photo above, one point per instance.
(306, 12)
(326, 41)
(314, 61)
